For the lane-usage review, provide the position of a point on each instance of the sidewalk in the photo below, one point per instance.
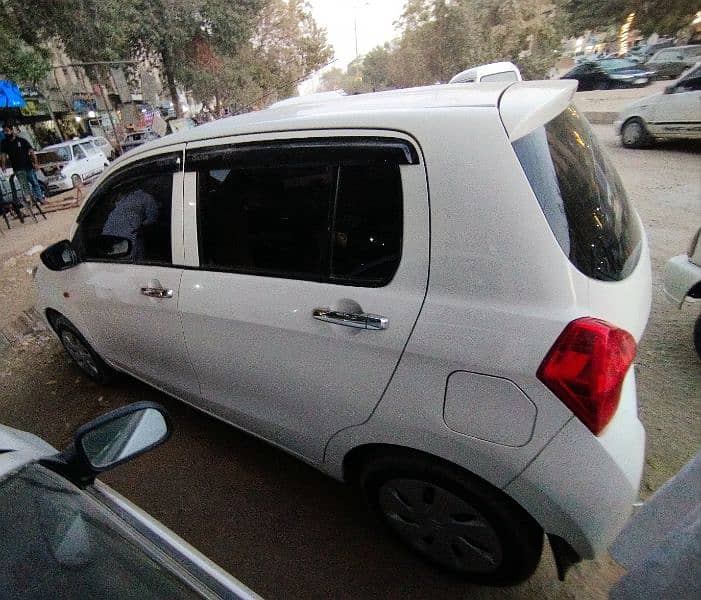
(60, 213)
(602, 106)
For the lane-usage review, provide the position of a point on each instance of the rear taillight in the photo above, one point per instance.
(585, 369)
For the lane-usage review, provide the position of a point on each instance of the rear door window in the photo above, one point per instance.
(323, 211)
(582, 197)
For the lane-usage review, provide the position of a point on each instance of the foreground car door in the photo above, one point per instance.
(312, 261)
(129, 303)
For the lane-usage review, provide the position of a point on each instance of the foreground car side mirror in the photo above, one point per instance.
(111, 440)
(60, 256)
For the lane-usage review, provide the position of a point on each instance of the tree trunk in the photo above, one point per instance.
(167, 61)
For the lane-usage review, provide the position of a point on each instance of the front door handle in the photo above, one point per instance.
(357, 320)
(157, 292)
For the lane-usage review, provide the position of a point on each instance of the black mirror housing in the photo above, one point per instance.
(60, 256)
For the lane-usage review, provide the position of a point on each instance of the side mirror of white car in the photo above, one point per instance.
(60, 256)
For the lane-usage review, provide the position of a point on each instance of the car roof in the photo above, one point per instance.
(395, 109)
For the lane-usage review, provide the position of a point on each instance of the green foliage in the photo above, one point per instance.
(19, 62)
(220, 50)
(440, 38)
(650, 16)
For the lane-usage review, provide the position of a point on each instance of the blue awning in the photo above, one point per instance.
(10, 96)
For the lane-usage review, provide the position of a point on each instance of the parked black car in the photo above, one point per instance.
(608, 73)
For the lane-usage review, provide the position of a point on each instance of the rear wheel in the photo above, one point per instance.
(634, 134)
(452, 519)
(81, 352)
(697, 335)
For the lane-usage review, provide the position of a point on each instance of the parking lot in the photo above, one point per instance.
(283, 528)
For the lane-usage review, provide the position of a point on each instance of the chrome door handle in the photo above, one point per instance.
(156, 292)
(357, 320)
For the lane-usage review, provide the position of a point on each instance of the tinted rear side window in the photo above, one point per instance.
(582, 197)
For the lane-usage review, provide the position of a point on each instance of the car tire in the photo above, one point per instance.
(453, 519)
(80, 351)
(697, 335)
(634, 134)
(76, 180)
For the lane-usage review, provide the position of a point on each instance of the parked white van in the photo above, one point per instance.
(433, 294)
(63, 166)
(498, 71)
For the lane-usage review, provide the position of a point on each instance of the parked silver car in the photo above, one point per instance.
(65, 535)
(682, 281)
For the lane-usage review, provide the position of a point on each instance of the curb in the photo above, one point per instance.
(601, 117)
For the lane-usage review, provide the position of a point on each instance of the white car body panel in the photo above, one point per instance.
(239, 330)
(499, 293)
(680, 275)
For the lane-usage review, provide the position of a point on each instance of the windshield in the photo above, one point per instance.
(58, 542)
(613, 64)
(54, 155)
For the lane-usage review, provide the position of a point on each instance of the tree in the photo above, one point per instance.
(19, 62)
(650, 15)
(440, 38)
(285, 46)
(159, 31)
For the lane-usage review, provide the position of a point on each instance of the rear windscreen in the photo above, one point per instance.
(582, 197)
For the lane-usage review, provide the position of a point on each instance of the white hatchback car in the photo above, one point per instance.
(432, 293)
(674, 114)
(66, 165)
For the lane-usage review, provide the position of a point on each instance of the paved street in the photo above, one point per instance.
(281, 527)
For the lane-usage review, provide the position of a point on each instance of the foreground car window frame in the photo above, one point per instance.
(92, 513)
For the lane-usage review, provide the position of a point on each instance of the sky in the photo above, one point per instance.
(375, 25)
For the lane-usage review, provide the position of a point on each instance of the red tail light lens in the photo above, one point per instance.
(585, 369)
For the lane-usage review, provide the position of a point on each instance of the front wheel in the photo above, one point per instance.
(453, 520)
(634, 134)
(81, 352)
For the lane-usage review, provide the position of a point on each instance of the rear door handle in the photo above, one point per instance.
(156, 292)
(357, 320)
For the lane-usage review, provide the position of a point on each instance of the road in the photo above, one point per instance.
(283, 528)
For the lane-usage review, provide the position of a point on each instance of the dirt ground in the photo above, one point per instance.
(283, 528)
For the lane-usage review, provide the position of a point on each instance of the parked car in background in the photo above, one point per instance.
(670, 63)
(609, 73)
(64, 166)
(643, 52)
(272, 269)
(66, 535)
(137, 138)
(682, 281)
(674, 114)
(498, 71)
(104, 145)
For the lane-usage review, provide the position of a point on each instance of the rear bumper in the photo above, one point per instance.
(582, 488)
(680, 275)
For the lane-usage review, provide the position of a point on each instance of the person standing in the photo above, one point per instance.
(22, 159)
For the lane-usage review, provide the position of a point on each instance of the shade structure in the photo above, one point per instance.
(10, 96)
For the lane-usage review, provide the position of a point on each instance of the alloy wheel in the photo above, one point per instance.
(441, 525)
